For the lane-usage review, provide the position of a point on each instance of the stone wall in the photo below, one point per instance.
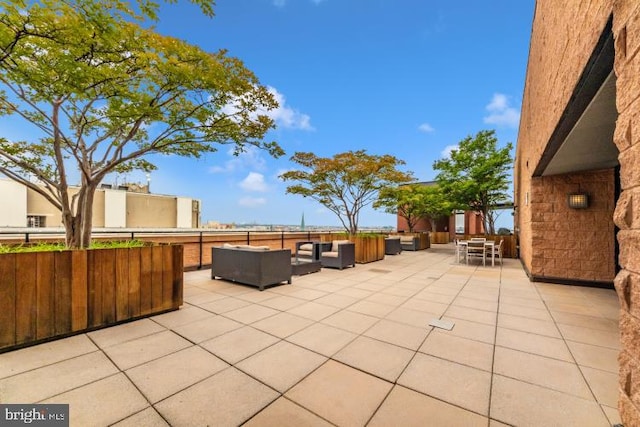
(626, 32)
(575, 244)
(562, 40)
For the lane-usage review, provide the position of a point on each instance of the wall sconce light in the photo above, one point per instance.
(578, 200)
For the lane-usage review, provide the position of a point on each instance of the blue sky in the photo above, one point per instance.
(403, 77)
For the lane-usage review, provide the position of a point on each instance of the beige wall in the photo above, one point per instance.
(13, 197)
(148, 210)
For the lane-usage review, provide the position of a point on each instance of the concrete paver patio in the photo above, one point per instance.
(350, 347)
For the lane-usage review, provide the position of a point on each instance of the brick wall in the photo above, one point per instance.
(626, 31)
(576, 244)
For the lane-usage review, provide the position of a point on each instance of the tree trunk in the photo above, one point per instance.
(78, 222)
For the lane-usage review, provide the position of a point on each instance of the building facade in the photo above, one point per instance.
(577, 166)
(112, 208)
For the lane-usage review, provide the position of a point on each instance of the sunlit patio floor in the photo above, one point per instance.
(348, 348)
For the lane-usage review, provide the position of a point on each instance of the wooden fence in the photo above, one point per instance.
(50, 294)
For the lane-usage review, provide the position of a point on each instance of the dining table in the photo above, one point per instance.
(489, 248)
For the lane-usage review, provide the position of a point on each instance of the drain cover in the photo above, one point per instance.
(442, 324)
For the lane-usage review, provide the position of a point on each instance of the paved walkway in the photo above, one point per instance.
(348, 348)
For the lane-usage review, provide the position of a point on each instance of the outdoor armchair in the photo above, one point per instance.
(341, 254)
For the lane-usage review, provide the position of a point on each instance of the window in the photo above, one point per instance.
(36, 221)
(459, 222)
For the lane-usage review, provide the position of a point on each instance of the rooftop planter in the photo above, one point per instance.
(369, 247)
(45, 295)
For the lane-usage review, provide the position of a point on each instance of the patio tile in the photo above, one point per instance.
(128, 331)
(518, 403)
(454, 383)
(307, 294)
(141, 350)
(340, 394)
(604, 385)
(351, 321)
(519, 310)
(282, 365)
(407, 316)
(525, 302)
(533, 343)
(257, 297)
(525, 324)
(543, 371)
(399, 292)
(612, 414)
(337, 300)
(381, 359)
(472, 330)
(386, 299)
(427, 295)
(224, 305)
(148, 417)
(313, 310)
(251, 313)
(323, 339)
(471, 314)
(207, 328)
(239, 344)
(356, 293)
(229, 397)
(26, 359)
(404, 407)
(202, 297)
(180, 317)
(163, 377)
(590, 336)
(371, 308)
(56, 378)
(282, 325)
(407, 336)
(283, 302)
(426, 306)
(586, 321)
(460, 350)
(103, 402)
(478, 304)
(603, 358)
(284, 412)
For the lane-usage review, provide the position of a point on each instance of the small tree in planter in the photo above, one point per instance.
(346, 182)
(102, 93)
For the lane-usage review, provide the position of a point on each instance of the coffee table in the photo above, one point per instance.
(300, 267)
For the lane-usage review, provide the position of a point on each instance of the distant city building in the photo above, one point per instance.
(127, 206)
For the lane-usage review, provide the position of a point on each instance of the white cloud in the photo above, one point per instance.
(501, 113)
(426, 127)
(252, 202)
(250, 159)
(254, 182)
(446, 152)
(286, 116)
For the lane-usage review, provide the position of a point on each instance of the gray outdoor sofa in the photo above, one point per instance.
(251, 265)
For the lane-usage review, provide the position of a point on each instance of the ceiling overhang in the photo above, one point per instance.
(583, 138)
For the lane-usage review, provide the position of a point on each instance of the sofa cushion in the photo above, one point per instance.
(305, 253)
(336, 243)
(406, 239)
(330, 254)
(306, 247)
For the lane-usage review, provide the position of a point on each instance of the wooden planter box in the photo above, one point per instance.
(53, 294)
(368, 248)
(439, 237)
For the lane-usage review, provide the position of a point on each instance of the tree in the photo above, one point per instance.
(414, 202)
(346, 182)
(476, 176)
(102, 93)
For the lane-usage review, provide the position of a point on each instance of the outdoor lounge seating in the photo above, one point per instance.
(251, 265)
(410, 243)
(308, 251)
(392, 245)
(341, 254)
